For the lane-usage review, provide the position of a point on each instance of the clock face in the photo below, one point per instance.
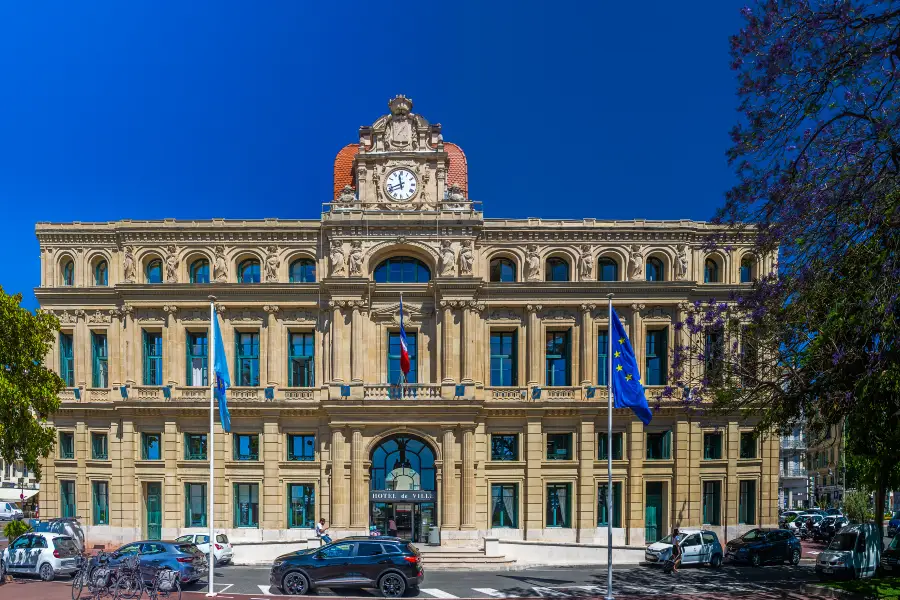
(401, 184)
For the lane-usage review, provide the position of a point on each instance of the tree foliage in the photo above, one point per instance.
(856, 506)
(29, 392)
(14, 529)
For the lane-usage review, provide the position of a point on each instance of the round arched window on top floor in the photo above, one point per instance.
(655, 270)
(68, 273)
(748, 269)
(557, 269)
(402, 269)
(303, 271)
(607, 269)
(503, 270)
(200, 271)
(248, 271)
(710, 271)
(154, 271)
(101, 273)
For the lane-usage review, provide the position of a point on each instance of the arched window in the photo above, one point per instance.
(710, 271)
(68, 273)
(303, 271)
(557, 270)
(655, 270)
(248, 271)
(402, 269)
(154, 271)
(608, 270)
(101, 273)
(402, 463)
(747, 268)
(503, 270)
(200, 271)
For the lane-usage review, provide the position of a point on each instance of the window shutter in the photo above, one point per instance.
(667, 445)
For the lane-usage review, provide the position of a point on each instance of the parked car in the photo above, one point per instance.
(223, 551)
(893, 524)
(810, 525)
(44, 554)
(10, 512)
(391, 564)
(69, 526)
(787, 517)
(830, 525)
(833, 511)
(854, 552)
(185, 559)
(759, 546)
(890, 558)
(698, 547)
(795, 525)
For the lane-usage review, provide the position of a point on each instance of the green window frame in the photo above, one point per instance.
(558, 358)
(714, 355)
(66, 445)
(748, 444)
(656, 359)
(559, 446)
(301, 447)
(197, 364)
(99, 446)
(602, 357)
(301, 505)
(712, 502)
(559, 505)
(99, 360)
(68, 274)
(195, 446)
(659, 445)
(195, 505)
(246, 505)
(67, 499)
(151, 446)
(101, 273)
(301, 359)
(617, 505)
(618, 439)
(504, 505)
(246, 358)
(101, 502)
(200, 271)
(246, 446)
(393, 357)
(302, 271)
(66, 359)
(712, 445)
(747, 502)
(153, 358)
(504, 358)
(504, 447)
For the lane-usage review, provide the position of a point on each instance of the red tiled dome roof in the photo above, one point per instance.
(459, 169)
(343, 167)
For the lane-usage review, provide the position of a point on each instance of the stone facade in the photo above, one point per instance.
(350, 405)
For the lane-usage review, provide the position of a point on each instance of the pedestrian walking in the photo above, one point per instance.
(676, 550)
(392, 527)
(320, 531)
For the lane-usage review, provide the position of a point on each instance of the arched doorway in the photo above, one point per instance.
(403, 488)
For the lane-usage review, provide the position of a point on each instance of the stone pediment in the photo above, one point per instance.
(391, 312)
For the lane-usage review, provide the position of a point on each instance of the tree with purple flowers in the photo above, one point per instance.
(817, 154)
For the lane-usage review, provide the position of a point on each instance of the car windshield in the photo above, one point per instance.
(665, 540)
(843, 542)
(893, 545)
(753, 535)
(222, 538)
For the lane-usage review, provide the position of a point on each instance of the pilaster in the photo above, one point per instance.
(468, 479)
(359, 515)
(534, 345)
(172, 346)
(450, 358)
(273, 495)
(340, 494)
(272, 333)
(534, 493)
(450, 500)
(586, 505)
(635, 520)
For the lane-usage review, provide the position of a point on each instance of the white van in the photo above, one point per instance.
(855, 552)
(10, 512)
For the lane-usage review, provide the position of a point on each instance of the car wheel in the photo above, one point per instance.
(754, 560)
(716, 561)
(412, 591)
(795, 557)
(392, 585)
(46, 572)
(295, 584)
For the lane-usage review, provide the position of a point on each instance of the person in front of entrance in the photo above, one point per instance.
(320, 531)
(676, 551)
(392, 527)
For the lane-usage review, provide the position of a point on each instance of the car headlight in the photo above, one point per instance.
(742, 551)
(277, 563)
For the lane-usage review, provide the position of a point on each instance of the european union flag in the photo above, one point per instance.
(626, 381)
(220, 371)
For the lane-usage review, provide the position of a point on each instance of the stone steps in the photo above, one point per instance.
(462, 560)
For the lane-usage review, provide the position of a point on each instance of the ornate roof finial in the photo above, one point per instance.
(400, 105)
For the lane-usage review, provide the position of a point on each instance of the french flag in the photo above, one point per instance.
(404, 349)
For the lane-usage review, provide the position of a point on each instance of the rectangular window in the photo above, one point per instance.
(559, 505)
(99, 446)
(559, 446)
(713, 354)
(195, 446)
(301, 447)
(557, 359)
(151, 446)
(301, 506)
(67, 498)
(394, 371)
(195, 505)
(153, 358)
(246, 354)
(66, 359)
(712, 446)
(66, 444)
(504, 446)
(246, 505)
(748, 444)
(617, 443)
(197, 359)
(712, 502)
(504, 505)
(301, 360)
(659, 445)
(657, 357)
(602, 514)
(747, 503)
(101, 502)
(602, 357)
(246, 446)
(504, 358)
(99, 360)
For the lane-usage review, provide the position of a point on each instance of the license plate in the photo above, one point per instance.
(826, 570)
(68, 562)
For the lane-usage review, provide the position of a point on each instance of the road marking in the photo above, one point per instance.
(545, 592)
(265, 589)
(493, 593)
(591, 589)
(438, 593)
(226, 588)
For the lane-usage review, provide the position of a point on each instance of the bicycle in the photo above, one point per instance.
(95, 575)
(129, 583)
(133, 580)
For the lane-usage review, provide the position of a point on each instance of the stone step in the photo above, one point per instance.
(469, 564)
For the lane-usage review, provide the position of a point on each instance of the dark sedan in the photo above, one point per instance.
(759, 546)
(893, 524)
(388, 563)
(185, 559)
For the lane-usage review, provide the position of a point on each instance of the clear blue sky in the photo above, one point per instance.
(202, 109)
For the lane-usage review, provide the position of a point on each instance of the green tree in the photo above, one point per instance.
(14, 529)
(29, 391)
(856, 506)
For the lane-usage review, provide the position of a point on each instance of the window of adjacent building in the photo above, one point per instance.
(151, 446)
(710, 271)
(607, 270)
(153, 271)
(559, 505)
(301, 447)
(504, 446)
(199, 271)
(301, 506)
(712, 502)
(246, 446)
(748, 444)
(101, 273)
(557, 269)
(246, 354)
(197, 359)
(557, 358)
(195, 505)
(393, 358)
(659, 445)
(302, 271)
(246, 505)
(654, 270)
(101, 502)
(559, 446)
(195, 446)
(602, 357)
(504, 359)
(747, 268)
(714, 354)
(68, 273)
(153, 358)
(99, 446)
(712, 445)
(602, 513)
(248, 271)
(66, 444)
(67, 499)
(66, 359)
(504, 505)
(99, 360)
(618, 450)
(402, 269)
(747, 502)
(503, 270)
(301, 361)
(656, 356)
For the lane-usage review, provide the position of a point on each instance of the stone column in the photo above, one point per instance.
(113, 345)
(359, 494)
(128, 341)
(468, 479)
(172, 510)
(450, 357)
(272, 344)
(450, 501)
(172, 346)
(340, 495)
(588, 365)
(338, 346)
(534, 345)
(466, 342)
(273, 497)
(357, 360)
(81, 348)
(586, 505)
(638, 339)
(534, 493)
(634, 509)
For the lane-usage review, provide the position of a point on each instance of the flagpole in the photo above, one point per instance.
(210, 447)
(609, 446)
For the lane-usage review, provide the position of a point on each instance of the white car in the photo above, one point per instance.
(10, 512)
(698, 546)
(44, 554)
(223, 550)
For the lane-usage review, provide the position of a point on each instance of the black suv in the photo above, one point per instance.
(391, 564)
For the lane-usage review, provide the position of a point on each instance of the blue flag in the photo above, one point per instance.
(626, 380)
(220, 370)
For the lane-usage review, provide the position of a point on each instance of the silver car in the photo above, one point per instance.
(698, 546)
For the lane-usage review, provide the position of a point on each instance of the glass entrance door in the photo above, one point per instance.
(154, 511)
(412, 520)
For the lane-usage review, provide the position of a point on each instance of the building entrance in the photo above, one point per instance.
(413, 521)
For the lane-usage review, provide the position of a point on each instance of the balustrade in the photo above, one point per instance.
(410, 391)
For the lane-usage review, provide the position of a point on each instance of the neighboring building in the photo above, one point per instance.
(499, 428)
(18, 484)
(794, 484)
(826, 473)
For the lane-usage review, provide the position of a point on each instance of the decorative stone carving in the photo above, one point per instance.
(655, 312)
(447, 265)
(128, 265)
(558, 314)
(681, 264)
(400, 130)
(504, 314)
(220, 269)
(347, 196)
(195, 314)
(299, 315)
(245, 315)
(66, 318)
(336, 255)
(466, 258)
(532, 264)
(149, 314)
(533, 307)
(271, 308)
(635, 262)
(100, 317)
(171, 264)
(272, 264)
(585, 263)
(356, 258)
(456, 200)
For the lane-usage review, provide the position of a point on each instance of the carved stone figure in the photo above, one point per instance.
(400, 131)
(356, 258)
(585, 263)
(128, 264)
(338, 268)
(171, 265)
(220, 269)
(635, 262)
(448, 259)
(466, 258)
(456, 200)
(681, 266)
(272, 264)
(532, 264)
(346, 198)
